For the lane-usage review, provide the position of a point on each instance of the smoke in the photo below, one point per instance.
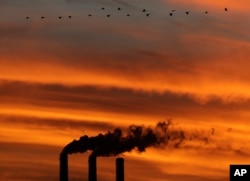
(133, 138)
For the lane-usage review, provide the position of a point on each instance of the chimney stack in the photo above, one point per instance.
(63, 167)
(92, 168)
(119, 169)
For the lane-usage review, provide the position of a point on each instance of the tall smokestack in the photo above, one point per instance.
(92, 168)
(63, 167)
(119, 169)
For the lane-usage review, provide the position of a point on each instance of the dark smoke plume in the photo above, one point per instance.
(134, 138)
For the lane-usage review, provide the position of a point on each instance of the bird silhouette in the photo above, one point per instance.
(144, 10)
(69, 17)
(147, 14)
(187, 12)
(206, 12)
(60, 17)
(108, 15)
(89, 15)
(170, 14)
(27, 17)
(226, 9)
(173, 10)
(42, 17)
(103, 8)
(128, 14)
(119, 9)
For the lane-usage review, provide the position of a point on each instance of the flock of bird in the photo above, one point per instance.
(119, 9)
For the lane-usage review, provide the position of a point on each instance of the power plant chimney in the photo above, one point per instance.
(63, 167)
(119, 169)
(92, 168)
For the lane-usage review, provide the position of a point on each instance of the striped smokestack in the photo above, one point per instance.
(119, 169)
(63, 167)
(92, 168)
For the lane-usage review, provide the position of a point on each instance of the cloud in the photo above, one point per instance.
(203, 66)
(97, 98)
(55, 124)
(77, 101)
(159, 54)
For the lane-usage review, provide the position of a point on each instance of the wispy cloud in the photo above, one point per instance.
(55, 124)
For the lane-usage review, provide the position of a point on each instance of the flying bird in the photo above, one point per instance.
(187, 12)
(118, 9)
(42, 17)
(27, 17)
(173, 10)
(60, 17)
(206, 12)
(170, 14)
(69, 16)
(144, 10)
(89, 15)
(226, 9)
(128, 14)
(108, 15)
(103, 8)
(147, 14)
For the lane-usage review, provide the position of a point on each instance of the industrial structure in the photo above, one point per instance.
(92, 168)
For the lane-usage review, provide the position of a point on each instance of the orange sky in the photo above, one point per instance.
(61, 79)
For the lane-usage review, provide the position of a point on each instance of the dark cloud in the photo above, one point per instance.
(57, 124)
(114, 99)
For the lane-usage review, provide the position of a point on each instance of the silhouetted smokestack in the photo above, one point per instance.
(92, 168)
(63, 167)
(119, 169)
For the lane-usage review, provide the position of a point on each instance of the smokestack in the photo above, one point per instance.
(119, 169)
(92, 168)
(63, 167)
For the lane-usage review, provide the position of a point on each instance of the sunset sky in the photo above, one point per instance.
(64, 78)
